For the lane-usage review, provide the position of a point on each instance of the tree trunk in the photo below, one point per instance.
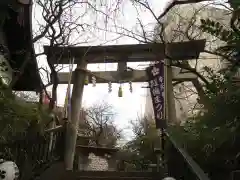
(203, 99)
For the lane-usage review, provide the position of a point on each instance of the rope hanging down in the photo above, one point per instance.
(68, 93)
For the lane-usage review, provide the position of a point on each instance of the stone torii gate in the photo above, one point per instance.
(120, 54)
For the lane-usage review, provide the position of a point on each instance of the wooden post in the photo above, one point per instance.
(170, 111)
(169, 107)
(52, 125)
(76, 103)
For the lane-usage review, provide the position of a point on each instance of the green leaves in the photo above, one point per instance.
(17, 115)
(231, 36)
(216, 29)
(142, 146)
(212, 138)
(234, 4)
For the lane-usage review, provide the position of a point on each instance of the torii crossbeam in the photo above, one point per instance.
(126, 53)
(122, 54)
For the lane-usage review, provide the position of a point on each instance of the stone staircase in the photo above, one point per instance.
(112, 175)
(57, 172)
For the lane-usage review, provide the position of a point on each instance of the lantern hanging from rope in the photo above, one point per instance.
(109, 87)
(120, 91)
(86, 80)
(130, 87)
(94, 81)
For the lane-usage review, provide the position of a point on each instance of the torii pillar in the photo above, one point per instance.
(75, 105)
(170, 106)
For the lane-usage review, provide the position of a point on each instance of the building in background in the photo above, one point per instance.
(183, 21)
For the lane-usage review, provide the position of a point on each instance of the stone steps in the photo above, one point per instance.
(111, 175)
(112, 178)
(58, 172)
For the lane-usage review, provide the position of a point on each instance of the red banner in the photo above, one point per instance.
(46, 100)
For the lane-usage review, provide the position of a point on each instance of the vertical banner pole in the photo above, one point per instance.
(157, 80)
(166, 112)
(165, 89)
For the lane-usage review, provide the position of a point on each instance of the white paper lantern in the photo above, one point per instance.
(8, 171)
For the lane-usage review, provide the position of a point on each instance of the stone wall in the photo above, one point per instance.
(97, 163)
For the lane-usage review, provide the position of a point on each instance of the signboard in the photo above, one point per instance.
(155, 75)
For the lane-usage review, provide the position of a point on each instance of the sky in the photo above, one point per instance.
(131, 105)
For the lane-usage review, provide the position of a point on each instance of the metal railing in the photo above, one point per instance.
(180, 164)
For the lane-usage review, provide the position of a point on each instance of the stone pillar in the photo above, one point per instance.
(76, 104)
(83, 162)
(170, 109)
(111, 163)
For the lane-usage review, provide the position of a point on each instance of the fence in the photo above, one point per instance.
(36, 153)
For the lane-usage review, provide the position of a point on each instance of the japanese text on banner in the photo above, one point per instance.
(156, 82)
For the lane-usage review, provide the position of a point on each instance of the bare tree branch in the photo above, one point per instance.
(176, 2)
(99, 125)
